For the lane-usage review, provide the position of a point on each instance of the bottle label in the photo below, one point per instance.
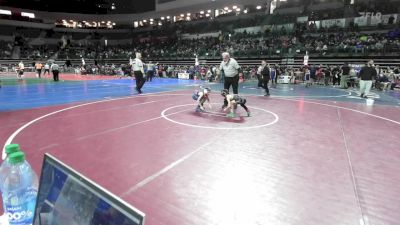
(18, 216)
(20, 208)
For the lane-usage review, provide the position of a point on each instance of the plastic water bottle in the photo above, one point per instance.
(19, 190)
(5, 166)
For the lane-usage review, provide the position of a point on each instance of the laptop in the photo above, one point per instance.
(66, 197)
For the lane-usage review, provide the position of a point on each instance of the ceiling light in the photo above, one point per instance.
(201, 12)
(259, 7)
(234, 7)
(226, 8)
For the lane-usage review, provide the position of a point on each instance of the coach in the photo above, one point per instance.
(367, 74)
(231, 70)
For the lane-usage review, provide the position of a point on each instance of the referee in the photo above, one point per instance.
(138, 70)
(230, 67)
(231, 71)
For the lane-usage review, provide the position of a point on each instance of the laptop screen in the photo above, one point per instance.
(66, 197)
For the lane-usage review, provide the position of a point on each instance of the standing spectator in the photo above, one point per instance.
(313, 73)
(38, 67)
(138, 70)
(278, 73)
(319, 74)
(335, 76)
(209, 75)
(20, 70)
(367, 74)
(150, 71)
(307, 77)
(273, 76)
(266, 76)
(327, 75)
(55, 70)
(259, 77)
(46, 69)
(345, 76)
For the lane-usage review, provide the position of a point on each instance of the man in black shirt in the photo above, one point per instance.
(367, 74)
(265, 73)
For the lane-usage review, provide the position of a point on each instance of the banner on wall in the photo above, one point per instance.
(361, 21)
(288, 26)
(378, 18)
(383, 19)
(333, 23)
(389, 19)
(198, 36)
(249, 30)
(302, 19)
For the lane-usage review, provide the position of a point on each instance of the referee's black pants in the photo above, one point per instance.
(234, 81)
(55, 75)
(139, 80)
(265, 85)
(228, 81)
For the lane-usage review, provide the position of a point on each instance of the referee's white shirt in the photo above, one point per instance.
(137, 65)
(230, 68)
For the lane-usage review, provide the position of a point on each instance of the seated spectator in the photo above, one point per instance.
(382, 82)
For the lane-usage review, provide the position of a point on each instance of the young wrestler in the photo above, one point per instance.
(233, 101)
(201, 97)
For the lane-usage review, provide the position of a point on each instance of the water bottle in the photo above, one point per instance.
(19, 190)
(5, 166)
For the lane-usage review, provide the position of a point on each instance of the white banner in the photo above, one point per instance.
(361, 21)
(198, 36)
(383, 19)
(249, 30)
(302, 19)
(389, 18)
(333, 23)
(183, 76)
